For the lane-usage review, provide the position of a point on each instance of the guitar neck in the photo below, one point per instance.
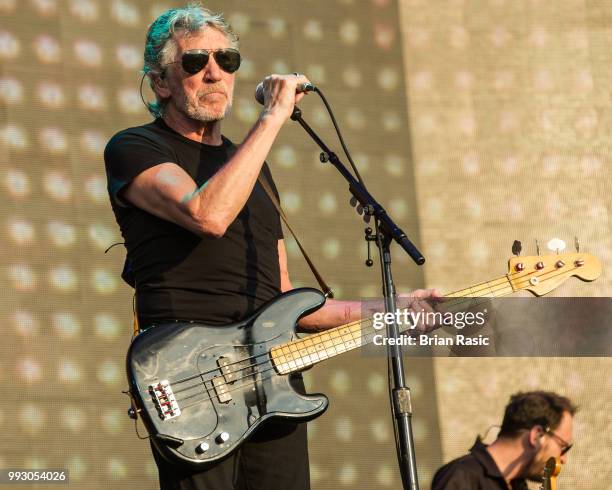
(300, 354)
(490, 289)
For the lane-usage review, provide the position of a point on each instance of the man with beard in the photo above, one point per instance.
(537, 426)
(203, 238)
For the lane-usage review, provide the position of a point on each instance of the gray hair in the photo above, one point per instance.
(160, 47)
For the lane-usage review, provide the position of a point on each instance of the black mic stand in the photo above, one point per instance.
(386, 230)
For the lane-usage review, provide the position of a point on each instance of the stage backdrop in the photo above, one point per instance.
(475, 123)
(510, 121)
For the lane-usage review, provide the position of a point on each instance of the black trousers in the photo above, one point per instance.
(274, 458)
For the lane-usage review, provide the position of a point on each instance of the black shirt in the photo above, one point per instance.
(474, 471)
(179, 275)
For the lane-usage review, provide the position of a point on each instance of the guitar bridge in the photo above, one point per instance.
(164, 400)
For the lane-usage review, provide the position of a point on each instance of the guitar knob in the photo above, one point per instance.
(579, 263)
(560, 264)
(202, 448)
(222, 437)
(540, 266)
(519, 267)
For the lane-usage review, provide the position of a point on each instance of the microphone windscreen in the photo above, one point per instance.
(302, 87)
(259, 93)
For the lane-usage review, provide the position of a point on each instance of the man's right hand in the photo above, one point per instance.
(280, 95)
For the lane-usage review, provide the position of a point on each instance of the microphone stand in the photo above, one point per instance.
(386, 230)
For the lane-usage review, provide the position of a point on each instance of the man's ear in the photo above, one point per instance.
(161, 85)
(535, 434)
(160, 78)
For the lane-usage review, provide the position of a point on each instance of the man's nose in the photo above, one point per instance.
(212, 71)
(563, 458)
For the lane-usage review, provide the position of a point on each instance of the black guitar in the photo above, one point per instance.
(202, 390)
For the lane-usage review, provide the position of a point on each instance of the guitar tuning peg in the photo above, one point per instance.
(537, 247)
(577, 244)
(516, 248)
(556, 245)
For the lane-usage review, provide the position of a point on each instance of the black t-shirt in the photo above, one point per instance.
(475, 471)
(179, 275)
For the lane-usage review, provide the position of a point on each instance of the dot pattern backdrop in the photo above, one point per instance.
(475, 123)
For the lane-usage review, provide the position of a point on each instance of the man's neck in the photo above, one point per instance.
(509, 456)
(208, 133)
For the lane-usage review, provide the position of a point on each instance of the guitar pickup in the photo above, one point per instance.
(164, 400)
(221, 389)
(224, 366)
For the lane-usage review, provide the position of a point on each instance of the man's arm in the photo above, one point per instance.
(338, 312)
(167, 191)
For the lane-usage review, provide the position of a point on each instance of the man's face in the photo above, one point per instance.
(207, 95)
(551, 446)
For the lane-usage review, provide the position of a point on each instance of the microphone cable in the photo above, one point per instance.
(339, 133)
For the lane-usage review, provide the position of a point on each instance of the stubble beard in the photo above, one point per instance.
(197, 111)
(535, 471)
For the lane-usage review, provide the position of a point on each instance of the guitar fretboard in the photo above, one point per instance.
(490, 289)
(300, 354)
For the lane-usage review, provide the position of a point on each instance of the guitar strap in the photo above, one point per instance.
(135, 313)
(266, 186)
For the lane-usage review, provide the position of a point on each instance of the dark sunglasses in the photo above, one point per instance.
(195, 60)
(563, 444)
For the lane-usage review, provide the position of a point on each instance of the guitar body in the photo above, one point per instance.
(202, 390)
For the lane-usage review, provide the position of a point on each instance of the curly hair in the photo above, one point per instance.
(526, 410)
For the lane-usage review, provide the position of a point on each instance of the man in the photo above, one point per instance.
(537, 426)
(203, 238)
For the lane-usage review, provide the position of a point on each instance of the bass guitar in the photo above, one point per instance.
(202, 390)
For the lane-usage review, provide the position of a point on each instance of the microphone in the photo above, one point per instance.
(301, 88)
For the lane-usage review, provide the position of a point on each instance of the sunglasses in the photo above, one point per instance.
(563, 444)
(195, 60)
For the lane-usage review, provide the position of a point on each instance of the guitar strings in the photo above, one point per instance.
(367, 336)
(504, 282)
(250, 366)
(461, 300)
(294, 360)
(255, 373)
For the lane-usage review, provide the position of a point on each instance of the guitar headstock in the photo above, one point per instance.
(540, 274)
(551, 471)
